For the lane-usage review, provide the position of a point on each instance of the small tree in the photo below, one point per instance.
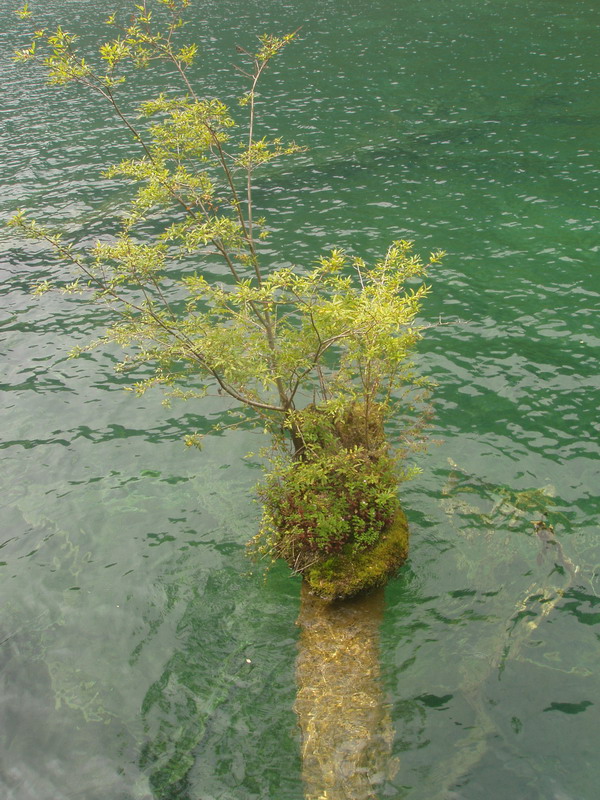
(318, 355)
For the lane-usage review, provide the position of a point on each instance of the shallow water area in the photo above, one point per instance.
(142, 655)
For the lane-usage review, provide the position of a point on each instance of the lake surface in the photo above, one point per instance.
(135, 636)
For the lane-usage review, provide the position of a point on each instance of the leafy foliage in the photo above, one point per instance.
(272, 339)
(318, 355)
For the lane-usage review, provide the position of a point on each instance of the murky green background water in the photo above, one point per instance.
(134, 635)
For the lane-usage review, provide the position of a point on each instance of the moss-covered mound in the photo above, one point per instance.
(348, 574)
(332, 512)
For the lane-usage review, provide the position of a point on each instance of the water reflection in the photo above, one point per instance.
(346, 726)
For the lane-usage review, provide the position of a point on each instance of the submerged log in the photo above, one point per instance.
(345, 722)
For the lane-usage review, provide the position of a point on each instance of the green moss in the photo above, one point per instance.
(333, 512)
(351, 573)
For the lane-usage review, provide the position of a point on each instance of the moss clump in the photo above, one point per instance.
(323, 507)
(332, 513)
(353, 572)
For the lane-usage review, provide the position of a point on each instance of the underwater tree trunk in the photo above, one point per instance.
(345, 722)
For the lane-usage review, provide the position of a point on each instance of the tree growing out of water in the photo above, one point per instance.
(318, 355)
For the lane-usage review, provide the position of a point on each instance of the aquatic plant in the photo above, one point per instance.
(200, 305)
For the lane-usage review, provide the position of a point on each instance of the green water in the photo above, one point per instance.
(141, 655)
